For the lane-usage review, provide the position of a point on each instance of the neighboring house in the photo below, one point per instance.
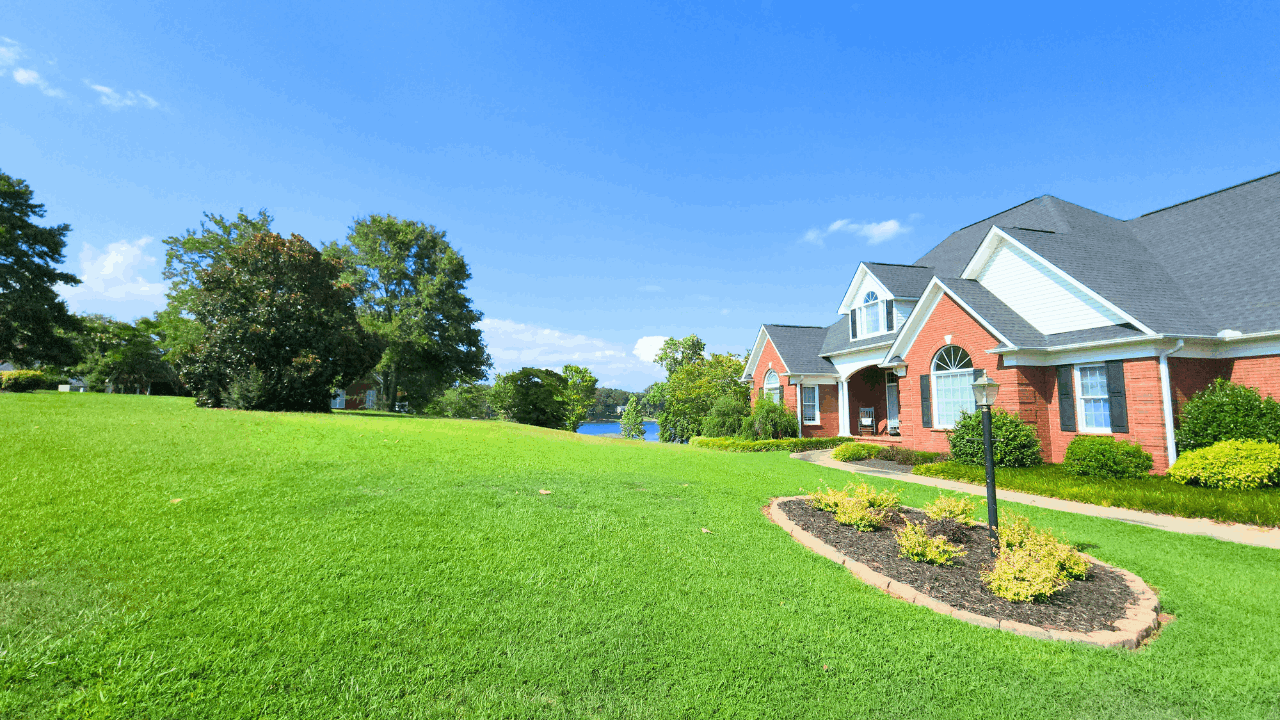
(357, 396)
(1090, 325)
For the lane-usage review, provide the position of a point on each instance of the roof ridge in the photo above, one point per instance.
(1215, 192)
(811, 327)
(922, 267)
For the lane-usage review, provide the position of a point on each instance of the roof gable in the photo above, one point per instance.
(800, 348)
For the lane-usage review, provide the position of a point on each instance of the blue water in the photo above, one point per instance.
(604, 428)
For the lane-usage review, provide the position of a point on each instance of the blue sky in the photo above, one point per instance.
(614, 173)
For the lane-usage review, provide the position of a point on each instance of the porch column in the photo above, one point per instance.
(800, 409)
(843, 405)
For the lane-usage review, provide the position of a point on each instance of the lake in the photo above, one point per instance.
(605, 428)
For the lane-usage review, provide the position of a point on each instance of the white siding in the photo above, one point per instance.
(901, 310)
(1037, 293)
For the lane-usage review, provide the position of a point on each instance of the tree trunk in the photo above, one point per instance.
(393, 388)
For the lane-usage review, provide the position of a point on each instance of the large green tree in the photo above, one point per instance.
(186, 257)
(579, 395)
(410, 292)
(532, 396)
(675, 354)
(281, 331)
(126, 356)
(690, 391)
(35, 325)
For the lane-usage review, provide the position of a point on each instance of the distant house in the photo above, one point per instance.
(356, 396)
(1089, 323)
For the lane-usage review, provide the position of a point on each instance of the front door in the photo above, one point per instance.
(891, 401)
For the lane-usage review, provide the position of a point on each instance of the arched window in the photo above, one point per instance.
(772, 386)
(952, 386)
(869, 313)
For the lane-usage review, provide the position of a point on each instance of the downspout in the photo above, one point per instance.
(1171, 444)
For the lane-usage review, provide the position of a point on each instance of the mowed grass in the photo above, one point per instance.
(1153, 494)
(336, 566)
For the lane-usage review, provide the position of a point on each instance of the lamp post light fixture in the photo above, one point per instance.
(985, 391)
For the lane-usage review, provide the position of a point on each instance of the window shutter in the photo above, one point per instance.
(926, 403)
(1119, 403)
(888, 315)
(853, 324)
(1066, 398)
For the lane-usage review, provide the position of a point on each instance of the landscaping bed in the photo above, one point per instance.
(1083, 606)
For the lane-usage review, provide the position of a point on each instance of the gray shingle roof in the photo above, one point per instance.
(904, 281)
(1223, 253)
(1020, 332)
(800, 348)
(837, 339)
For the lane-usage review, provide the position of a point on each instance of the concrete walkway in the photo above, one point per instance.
(1230, 532)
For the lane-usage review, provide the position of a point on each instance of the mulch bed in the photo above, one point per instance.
(1083, 606)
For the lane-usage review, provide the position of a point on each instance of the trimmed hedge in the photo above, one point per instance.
(784, 445)
(1102, 456)
(22, 380)
(855, 451)
(1015, 442)
(1235, 464)
(1227, 411)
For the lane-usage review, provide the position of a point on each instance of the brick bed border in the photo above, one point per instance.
(1138, 623)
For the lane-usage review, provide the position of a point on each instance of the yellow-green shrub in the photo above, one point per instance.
(856, 513)
(916, 545)
(948, 506)
(1238, 464)
(1023, 575)
(829, 498)
(885, 499)
(1019, 533)
(22, 380)
(854, 451)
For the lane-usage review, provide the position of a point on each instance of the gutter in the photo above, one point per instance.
(1171, 445)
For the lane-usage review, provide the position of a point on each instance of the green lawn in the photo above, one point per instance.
(343, 565)
(1152, 494)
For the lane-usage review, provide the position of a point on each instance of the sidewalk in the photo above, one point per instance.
(1230, 532)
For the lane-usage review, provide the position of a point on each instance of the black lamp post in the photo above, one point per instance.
(985, 391)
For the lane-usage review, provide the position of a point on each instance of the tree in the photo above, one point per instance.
(187, 256)
(281, 331)
(464, 400)
(690, 391)
(675, 354)
(533, 396)
(410, 284)
(126, 357)
(609, 403)
(632, 425)
(35, 325)
(579, 395)
(725, 417)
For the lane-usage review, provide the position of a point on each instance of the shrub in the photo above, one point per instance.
(828, 499)
(1106, 457)
(885, 499)
(1022, 575)
(854, 451)
(1023, 541)
(1015, 444)
(725, 417)
(1227, 411)
(857, 514)
(904, 456)
(784, 445)
(22, 380)
(769, 421)
(1238, 464)
(918, 546)
(948, 506)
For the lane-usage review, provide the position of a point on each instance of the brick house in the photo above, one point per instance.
(1090, 324)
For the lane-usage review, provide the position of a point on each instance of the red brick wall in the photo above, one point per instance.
(1187, 376)
(1146, 414)
(1261, 372)
(771, 360)
(828, 413)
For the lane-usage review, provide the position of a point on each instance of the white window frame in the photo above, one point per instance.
(891, 379)
(817, 411)
(774, 390)
(370, 399)
(339, 401)
(1078, 393)
(934, 375)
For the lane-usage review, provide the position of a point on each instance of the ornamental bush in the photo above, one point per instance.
(949, 506)
(828, 499)
(769, 421)
(725, 417)
(1032, 564)
(854, 451)
(1105, 457)
(1227, 411)
(1015, 443)
(22, 380)
(1238, 464)
(859, 515)
(915, 544)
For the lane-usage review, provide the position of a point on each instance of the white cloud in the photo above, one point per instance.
(115, 100)
(650, 288)
(725, 311)
(10, 51)
(113, 275)
(515, 345)
(648, 347)
(30, 77)
(875, 233)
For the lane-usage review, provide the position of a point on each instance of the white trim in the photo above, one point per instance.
(933, 392)
(897, 383)
(799, 416)
(817, 405)
(1166, 398)
(1078, 392)
(851, 351)
(991, 243)
(842, 407)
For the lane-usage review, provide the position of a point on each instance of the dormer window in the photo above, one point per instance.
(872, 317)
